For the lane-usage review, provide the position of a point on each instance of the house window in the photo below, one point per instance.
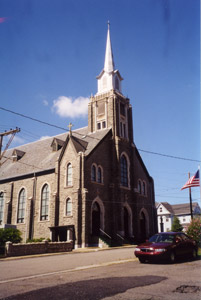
(124, 171)
(184, 220)
(167, 220)
(21, 206)
(99, 175)
(139, 186)
(69, 175)
(161, 209)
(68, 207)
(103, 124)
(93, 173)
(44, 203)
(1, 207)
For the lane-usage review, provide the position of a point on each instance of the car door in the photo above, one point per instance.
(188, 246)
(180, 248)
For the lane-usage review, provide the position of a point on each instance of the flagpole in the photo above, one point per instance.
(190, 198)
(200, 182)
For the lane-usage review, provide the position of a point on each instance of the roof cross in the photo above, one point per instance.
(70, 126)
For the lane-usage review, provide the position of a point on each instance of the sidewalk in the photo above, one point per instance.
(74, 251)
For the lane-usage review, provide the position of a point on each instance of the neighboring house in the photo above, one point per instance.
(166, 213)
(84, 183)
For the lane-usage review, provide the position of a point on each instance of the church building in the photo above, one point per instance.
(87, 185)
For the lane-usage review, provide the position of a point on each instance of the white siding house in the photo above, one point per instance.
(166, 213)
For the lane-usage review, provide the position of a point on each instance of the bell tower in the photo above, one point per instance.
(108, 108)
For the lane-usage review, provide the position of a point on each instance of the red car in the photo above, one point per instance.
(166, 246)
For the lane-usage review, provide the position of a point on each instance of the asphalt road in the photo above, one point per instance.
(108, 274)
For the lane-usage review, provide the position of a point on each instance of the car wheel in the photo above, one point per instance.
(142, 260)
(194, 253)
(172, 257)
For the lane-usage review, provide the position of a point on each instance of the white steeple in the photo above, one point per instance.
(109, 78)
(109, 61)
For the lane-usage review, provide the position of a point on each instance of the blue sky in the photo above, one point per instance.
(53, 49)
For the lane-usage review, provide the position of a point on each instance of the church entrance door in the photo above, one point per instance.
(96, 219)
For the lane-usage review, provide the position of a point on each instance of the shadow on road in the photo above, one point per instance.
(94, 289)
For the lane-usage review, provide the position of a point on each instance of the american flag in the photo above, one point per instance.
(193, 181)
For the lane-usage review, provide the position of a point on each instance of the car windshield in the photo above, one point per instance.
(162, 238)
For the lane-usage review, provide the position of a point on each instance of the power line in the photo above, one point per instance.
(170, 156)
(64, 129)
(33, 119)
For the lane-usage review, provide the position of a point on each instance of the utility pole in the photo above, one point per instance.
(11, 131)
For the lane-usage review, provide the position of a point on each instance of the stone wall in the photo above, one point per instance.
(37, 248)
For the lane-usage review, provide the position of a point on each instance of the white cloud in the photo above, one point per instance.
(45, 102)
(67, 107)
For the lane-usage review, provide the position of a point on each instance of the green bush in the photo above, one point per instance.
(194, 230)
(176, 225)
(9, 235)
(38, 240)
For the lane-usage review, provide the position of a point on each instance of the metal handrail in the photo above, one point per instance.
(105, 233)
(120, 236)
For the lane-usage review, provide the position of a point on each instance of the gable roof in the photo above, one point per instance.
(183, 209)
(39, 156)
(168, 207)
(178, 209)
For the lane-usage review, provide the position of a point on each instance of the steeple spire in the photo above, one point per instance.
(109, 79)
(109, 61)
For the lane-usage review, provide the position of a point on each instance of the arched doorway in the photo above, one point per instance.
(142, 226)
(96, 219)
(126, 222)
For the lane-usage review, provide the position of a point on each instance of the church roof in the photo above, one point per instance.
(40, 157)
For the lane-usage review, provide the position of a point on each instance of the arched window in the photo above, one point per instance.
(68, 207)
(1, 207)
(139, 186)
(100, 180)
(44, 203)
(93, 173)
(124, 171)
(69, 175)
(144, 188)
(21, 206)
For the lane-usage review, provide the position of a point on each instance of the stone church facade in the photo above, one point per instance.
(84, 184)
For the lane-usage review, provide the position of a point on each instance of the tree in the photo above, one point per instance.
(194, 230)
(176, 225)
(9, 235)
